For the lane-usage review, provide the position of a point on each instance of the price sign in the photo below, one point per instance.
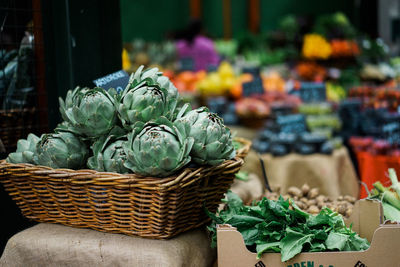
(254, 87)
(117, 80)
(312, 92)
(294, 123)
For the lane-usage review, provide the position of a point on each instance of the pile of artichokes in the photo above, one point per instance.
(143, 130)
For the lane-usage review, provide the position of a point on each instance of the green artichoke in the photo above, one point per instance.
(212, 139)
(163, 81)
(61, 150)
(159, 149)
(172, 97)
(147, 97)
(108, 154)
(26, 150)
(90, 112)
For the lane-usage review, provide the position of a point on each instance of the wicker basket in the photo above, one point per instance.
(16, 124)
(157, 208)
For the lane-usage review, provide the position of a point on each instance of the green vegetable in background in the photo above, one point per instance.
(280, 226)
(389, 197)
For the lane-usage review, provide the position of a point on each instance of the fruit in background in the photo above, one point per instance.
(315, 108)
(219, 82)
(344, 48)
(316, 47)
(321, 121)
(186, 81)
(225, 70)
(311, 71)
(273, 82)
(252, 107)
(126, 61)
(335, 92)
(237, 89)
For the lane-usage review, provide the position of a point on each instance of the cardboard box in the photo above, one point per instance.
(367, 220)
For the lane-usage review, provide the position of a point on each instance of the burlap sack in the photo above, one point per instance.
(57, 245)
(248, 190)
(333, 174)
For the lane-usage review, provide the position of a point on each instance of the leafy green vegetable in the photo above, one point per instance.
(292, 244)
(265, 247)
(388, 196)
(281, 226)
(391, 213)
(336, 241)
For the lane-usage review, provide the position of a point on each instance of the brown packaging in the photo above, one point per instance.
(366, 220)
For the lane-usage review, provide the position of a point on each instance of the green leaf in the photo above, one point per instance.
(234, 201)
(336, 241)
(265, 247)
(243, 221)
(357, 243)
(317, 247)
(250, 236)
(299, 211)
(391, 213)
(320, 219)
(293, 243)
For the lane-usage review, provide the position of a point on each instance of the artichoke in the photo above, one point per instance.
(147, 97)
(90, 112)
(163, 81)
(108, 154)
(159, 149)
(61, 150)
(26, 150)
(172, 97)
(212, 139)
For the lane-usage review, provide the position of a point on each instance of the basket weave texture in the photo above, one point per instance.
(16, 124)
(158, 208)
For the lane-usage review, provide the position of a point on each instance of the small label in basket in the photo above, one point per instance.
(117, 80)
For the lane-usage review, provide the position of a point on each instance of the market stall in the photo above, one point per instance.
(172, 142)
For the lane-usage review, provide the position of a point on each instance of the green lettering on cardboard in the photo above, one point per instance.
(303, 264)
(296, 265)
(310, 264)
(289, 266)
